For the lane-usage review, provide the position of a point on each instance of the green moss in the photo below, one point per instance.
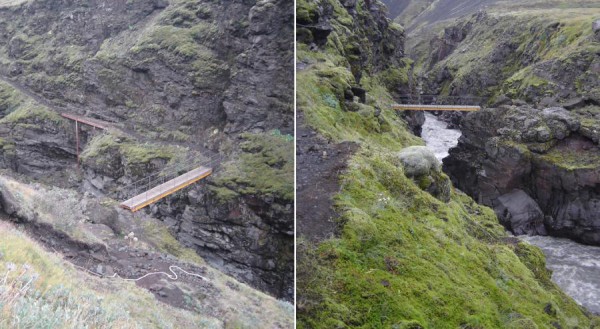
(31, 113)
(223, 194)
(572, 159)
(395, 77)
(10, 98)
(405, 258)
(264, 167)
(106, 149)
(321, 94)
(164, 241)
(306, 11)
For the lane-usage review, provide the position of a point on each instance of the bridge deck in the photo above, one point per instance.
(146, 198)
(418, 107)
(88, 121)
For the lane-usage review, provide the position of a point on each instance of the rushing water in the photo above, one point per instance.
(576, 267)
(439, 138)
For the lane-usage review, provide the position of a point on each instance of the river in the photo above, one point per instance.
(576, 267)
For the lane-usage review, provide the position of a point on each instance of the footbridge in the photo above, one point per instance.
(171, 179)
(95, 123)
(155, 187)
(438, 103)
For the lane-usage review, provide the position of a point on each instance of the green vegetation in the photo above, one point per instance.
(265, 166)
(38, 289)
(31, 113)
(10, 98)
(113, 150)
(571, 159)
(164, 241)
(180, 37)
(518, 49)
(405, 259)
(405, 256)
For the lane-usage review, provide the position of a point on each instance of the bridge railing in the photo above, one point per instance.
(440, 100)
(170, 172)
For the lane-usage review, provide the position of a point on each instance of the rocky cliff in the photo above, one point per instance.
(537, 53)
(179, 80)
(550, 156)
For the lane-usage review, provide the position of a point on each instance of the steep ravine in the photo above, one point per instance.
(575, 267)
(179, 80)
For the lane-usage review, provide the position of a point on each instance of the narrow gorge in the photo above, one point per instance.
(421, 231)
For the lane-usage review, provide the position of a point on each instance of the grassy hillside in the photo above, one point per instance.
(527, 50)
(39, 289)
(404, 259)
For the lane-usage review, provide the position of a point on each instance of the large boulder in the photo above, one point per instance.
(418, 161)
(520, 213)
(420, 164)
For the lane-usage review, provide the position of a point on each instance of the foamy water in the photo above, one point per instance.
(575, 267)
(439, 138)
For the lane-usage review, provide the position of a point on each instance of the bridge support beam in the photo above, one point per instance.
(77, 139)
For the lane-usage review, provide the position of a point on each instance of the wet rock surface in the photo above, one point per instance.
(544, 153)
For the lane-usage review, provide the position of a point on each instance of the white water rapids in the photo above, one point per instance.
(439, 138)
(576, 267)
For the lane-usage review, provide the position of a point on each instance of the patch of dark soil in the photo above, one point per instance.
(319, 164)
(126, 261)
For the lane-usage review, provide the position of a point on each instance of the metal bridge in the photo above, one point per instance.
(157, 186)
(170, 180)
(95, 123)
(438, 103)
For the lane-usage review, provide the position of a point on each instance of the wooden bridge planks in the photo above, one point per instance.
(88, 121)
(418, 107)
(146, 198)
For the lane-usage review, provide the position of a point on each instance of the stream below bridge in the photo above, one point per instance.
(575, 267)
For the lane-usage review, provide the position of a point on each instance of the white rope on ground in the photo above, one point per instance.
(172, 277)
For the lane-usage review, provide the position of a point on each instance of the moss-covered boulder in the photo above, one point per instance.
(424, 168)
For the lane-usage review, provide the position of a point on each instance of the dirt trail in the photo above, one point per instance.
(125, 259)
(319, 164)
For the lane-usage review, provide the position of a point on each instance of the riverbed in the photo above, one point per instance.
(576, 267)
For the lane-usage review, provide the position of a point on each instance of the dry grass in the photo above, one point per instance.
(40, 290)
(239, 305)
(8, 3)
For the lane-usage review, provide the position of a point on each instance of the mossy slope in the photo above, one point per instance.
(405, 259)
(530, 54)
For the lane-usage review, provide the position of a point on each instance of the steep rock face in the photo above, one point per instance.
(375, 45)
(179, 79)
(246, 237)
(544, 60)
(190, 65)
(548, 154)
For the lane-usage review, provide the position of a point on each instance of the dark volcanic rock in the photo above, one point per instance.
(541, 153)
(520, 213)
(188, 74)
(248, 237)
